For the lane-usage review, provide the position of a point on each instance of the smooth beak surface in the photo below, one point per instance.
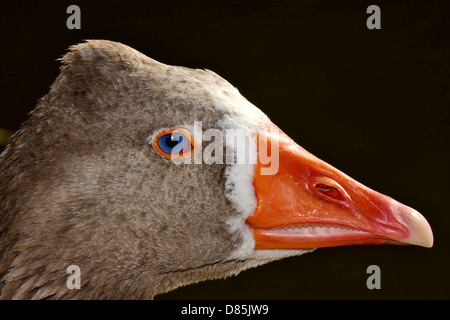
(307, 203)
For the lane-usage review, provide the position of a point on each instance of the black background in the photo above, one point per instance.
(373, 103)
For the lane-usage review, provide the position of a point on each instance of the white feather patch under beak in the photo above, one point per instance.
(240, 191)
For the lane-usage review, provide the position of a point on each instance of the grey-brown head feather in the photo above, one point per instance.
(80, 183)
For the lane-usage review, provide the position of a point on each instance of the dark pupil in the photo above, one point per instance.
(173, 140)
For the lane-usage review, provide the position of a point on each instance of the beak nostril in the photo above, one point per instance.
(324, 188)
(329, 191)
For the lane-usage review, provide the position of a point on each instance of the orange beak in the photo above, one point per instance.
(307, 203)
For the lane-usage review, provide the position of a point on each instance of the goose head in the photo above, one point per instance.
(148, 177)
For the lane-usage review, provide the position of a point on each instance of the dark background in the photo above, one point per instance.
(373, 103)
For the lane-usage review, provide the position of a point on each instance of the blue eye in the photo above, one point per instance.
(167, 143)
(174, 143)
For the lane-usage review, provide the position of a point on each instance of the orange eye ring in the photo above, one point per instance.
(174, 143)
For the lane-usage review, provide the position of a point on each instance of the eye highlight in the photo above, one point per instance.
(174, 143)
